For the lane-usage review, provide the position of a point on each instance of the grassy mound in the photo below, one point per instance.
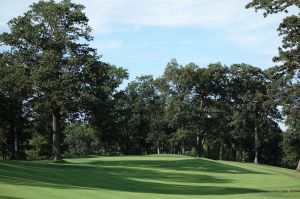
(145, 177)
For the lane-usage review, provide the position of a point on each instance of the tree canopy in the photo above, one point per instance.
(55, 91)
(286, 74)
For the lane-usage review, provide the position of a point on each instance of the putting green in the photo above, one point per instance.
(145, 177)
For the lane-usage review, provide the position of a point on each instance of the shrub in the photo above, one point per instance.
(80, 140)
(40, 147)
(194, 152)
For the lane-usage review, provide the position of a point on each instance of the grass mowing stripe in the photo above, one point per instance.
(146, 177)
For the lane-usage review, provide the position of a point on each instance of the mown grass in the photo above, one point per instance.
(145, 177)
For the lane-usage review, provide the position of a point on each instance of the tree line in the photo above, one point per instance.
(58, 99)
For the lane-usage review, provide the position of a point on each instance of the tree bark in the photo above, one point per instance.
(4, 154)
(256, 146)
(298, 167)
(16, 148)
(221, 150)
(198, 146)
(127, 142)
(256, 137)
(56, 136)
(14, 140)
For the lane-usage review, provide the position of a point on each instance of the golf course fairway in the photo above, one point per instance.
(145, 177)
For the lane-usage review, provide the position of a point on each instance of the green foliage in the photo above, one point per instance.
(4, 143)
(54, 89)
(250, 85)
(141, 121)
(99, 98)
(14, 111)
(81, 140)
(272, 6)
(51, 45)
(194, 152)
(181, 138)
(40, 147)
(291, 148)
(48, 39)
(285, 77)
(213, 104)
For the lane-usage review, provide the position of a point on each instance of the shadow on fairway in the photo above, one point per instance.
(131, 176)
(203, 165)
(8, 197)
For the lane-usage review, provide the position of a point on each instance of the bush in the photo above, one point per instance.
(194, 152)
(80, 140)
(40, 147)
(291, 149)
(187, 153)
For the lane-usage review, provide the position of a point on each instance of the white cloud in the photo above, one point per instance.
(255, 32)
(239, 26)
(111, 44)
(161, 12)
(260, 41)
(105, 14)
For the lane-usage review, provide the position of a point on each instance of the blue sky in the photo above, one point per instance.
(143, 35)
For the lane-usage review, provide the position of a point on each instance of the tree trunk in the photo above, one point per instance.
(221, 150)
(232, 152)
(14, 141)
(202, 148)
(198, 146)
(127, 142)
(56, 136)
(4, 155)
(256, 145)
(256, 136)
(158, 152)
(298, 167)
(16, 150)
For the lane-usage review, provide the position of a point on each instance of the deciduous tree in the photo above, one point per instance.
(51, 38)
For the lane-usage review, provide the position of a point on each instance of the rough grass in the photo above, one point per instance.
(145, 177)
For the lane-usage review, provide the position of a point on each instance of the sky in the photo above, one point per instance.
(144, 35)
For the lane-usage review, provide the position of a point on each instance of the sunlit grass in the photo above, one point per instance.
(145, 177)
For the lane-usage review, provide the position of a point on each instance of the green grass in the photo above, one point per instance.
(145, 177)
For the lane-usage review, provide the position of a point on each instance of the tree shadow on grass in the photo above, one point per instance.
(203, 165)
(8, 197)
(142, 180)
